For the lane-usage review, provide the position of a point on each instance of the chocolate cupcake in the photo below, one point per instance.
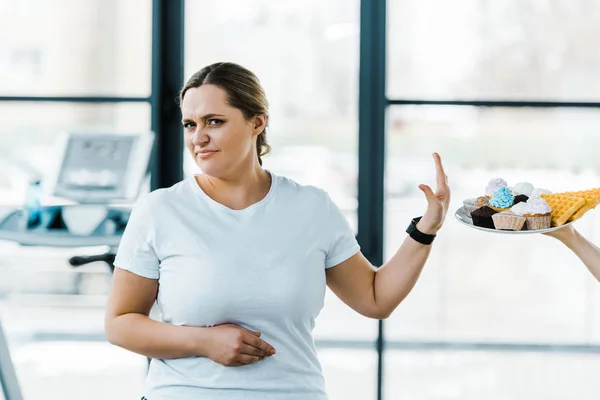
(483, 217)
(521, 198)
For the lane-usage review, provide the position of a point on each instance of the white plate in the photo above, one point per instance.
(462, 216)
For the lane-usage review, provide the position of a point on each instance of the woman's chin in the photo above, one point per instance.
(208, 168)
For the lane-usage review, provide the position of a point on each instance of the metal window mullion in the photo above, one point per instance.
(75, 99)
(167, 78)
(495, 103)
(371, 149)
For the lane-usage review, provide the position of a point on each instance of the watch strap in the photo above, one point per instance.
(417, 235)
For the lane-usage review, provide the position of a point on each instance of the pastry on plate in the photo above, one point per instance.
(483, 217)
(508, 221)
(502, 199)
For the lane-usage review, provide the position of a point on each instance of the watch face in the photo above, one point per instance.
(412, 227)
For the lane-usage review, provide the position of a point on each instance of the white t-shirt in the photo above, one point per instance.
(262, 268)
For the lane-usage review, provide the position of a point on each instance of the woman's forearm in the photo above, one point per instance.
(142, 335)
(585, 250)
(396, 278)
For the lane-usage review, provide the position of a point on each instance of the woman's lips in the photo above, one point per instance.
(206, 153)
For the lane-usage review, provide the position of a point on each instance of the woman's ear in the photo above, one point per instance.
(260, 123)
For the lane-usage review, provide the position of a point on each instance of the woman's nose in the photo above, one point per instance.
(200, 137)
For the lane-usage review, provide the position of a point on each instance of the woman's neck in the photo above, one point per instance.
(239, 192)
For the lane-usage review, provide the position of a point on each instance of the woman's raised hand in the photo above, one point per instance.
(437, 202)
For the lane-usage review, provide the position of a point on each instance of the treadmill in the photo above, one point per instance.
(99, 176)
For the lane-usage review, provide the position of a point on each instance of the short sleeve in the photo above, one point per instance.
(342, 242)
(136, 250)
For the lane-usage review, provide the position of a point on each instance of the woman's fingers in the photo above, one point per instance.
(428, 193)
(443, 189)
(441, 177)
(252, 351)
(257, 342)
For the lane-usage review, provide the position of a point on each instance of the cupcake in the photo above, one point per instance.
(523, 188)
(494, 185)
(483, 217)
(502, 199)
(470, 205)
(538, 215)
(521, 198)
(521, 209)
(482, 201)
(508, 221)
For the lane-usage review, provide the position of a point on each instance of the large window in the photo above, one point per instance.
(477, 49)
(523, 297)
(492, 287)
(71, 47)
(95, 53)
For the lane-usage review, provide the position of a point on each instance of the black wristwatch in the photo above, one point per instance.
(417, 235)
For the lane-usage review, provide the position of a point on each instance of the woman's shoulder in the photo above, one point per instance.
(299, 191)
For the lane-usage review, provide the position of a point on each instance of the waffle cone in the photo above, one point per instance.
(564, 206)
(592, 199)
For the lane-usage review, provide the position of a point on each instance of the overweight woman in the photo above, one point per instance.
(238, 259)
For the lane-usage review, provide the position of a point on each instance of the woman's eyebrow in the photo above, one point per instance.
(207, 116)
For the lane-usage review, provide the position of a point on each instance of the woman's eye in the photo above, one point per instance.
(188, 125)
(215, 122)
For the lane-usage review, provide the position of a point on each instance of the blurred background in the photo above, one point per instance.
(361, 93)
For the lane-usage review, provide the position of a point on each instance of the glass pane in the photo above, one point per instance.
(475, 375)
(489, 287)
(79, 370)
(515, 49)
(28, 133)
(307, 61)
(53, 317)
(71, 47)
(350, 374)
(73, 369)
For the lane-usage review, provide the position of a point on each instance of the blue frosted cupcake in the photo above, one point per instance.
(502, 200)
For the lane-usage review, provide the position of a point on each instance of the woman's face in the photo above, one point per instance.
(219, 138)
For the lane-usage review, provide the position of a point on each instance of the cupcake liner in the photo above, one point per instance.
(508, 222)
(469, 206)
(535, 222)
